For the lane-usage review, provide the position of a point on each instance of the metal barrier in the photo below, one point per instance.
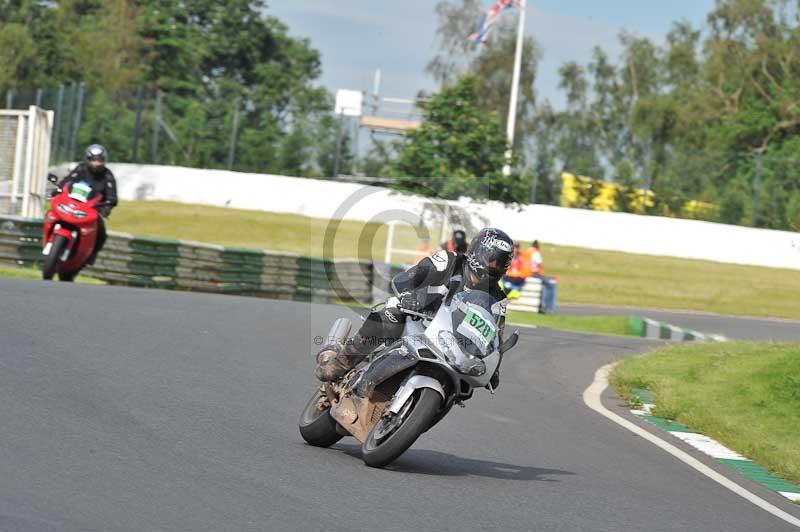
(185, 265)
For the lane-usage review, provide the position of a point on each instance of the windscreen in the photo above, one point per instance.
(474, 325)
(80, 191)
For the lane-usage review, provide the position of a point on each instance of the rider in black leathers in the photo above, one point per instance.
(99, 177)
(422, 288)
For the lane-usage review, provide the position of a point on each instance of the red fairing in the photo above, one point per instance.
(77, 222)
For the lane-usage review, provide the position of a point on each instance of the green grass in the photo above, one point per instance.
(20, 272)
(613, 278)
(745, 395)
(619, 325)
(256, 229)
(585, 275)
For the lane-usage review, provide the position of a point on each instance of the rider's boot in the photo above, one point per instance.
(333, 362)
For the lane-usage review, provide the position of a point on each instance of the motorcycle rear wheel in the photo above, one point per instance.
(52, 260)
(67, 277)
(317, 427)
(385, 443)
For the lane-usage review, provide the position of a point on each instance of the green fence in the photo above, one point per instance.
(184, 265)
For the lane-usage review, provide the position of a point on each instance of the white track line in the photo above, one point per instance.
(712, 448)
(591, 396)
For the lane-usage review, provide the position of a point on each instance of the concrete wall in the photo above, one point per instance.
(574, 227)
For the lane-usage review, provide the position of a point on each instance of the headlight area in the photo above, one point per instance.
(67, 209)
(463, 363)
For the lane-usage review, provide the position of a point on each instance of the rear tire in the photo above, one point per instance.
(378, 452)
(67, 277)
(318, 427)
(51, 261)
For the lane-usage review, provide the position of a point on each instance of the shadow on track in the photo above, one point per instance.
(426, 462)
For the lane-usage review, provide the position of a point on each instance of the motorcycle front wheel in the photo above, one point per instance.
(51, 261)
(317, 426)
(394, 434)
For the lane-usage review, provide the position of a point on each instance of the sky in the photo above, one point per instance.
(357, 36)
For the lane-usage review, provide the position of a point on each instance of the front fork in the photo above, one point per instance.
(58, 229)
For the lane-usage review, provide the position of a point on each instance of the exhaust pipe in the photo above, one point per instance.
(331, 348)
(339, 332)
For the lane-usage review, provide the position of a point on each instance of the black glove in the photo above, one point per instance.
(409, 301)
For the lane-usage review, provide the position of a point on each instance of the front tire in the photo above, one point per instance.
(386, 443)
(51, 261)
(317, 426)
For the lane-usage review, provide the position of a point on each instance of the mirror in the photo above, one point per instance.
(510, 342)
(52, 178)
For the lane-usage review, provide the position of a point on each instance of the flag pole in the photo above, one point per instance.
(512, 103)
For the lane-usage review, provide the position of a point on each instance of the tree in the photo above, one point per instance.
(733, 204)
(207, 59)
(18, 61)
(379, 159)
(457, 21)
(625, 196)
(326, 150)
(491, 65)
(458, 151)
(545, 176)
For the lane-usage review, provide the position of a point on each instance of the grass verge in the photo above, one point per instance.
(20, 272)
(256, 229)
(585, 275)
(618, 325)
(745, 395)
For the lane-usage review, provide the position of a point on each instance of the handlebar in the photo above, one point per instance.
(59, 190)
(423, 315)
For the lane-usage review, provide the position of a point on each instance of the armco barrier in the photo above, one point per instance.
(184, 265)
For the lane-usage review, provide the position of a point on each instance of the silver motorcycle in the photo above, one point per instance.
(403, 389)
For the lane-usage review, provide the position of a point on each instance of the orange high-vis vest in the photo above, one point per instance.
(517, 268)
(526, 258)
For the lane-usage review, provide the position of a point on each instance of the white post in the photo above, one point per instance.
(42, 160)
(445, 221)
(19, 164)
(28, 175)
(387, 257)
(512, 103)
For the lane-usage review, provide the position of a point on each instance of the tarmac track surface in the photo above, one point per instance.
(145, 410)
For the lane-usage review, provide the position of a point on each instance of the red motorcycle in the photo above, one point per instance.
(70, 230)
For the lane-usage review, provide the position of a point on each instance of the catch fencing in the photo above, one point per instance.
(24, 155)
(185, 265)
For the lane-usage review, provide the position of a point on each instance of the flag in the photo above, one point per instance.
(489, 18)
